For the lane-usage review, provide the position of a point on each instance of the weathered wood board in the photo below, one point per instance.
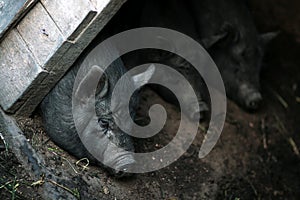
(18, 68)
(43, 45)
(11, 11)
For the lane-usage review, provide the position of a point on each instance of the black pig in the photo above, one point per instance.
(226, 29)
(58, 116)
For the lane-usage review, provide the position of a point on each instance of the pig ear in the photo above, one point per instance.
(86, 88)
(144, 77)
(225, 31)
(211, 41)
(266, 38)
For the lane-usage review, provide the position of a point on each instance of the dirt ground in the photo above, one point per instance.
(257, 156)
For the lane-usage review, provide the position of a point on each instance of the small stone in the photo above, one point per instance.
(251, 125)
(105, 190)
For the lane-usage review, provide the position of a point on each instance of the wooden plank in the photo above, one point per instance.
(44, 45)
(11, 12)
(48, 45)
(30, 28)
(42, 36)
(70, 21)
(105, 11)
(18, 70)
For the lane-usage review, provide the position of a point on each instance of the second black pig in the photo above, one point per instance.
(227, 31)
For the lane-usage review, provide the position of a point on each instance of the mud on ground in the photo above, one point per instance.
(257, 156)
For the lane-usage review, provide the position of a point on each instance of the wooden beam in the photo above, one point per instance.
(51, 36)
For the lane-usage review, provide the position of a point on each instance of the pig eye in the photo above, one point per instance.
(103, 123)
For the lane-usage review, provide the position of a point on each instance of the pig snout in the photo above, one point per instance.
(253, 100)
(119, 160)
(250, 97)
